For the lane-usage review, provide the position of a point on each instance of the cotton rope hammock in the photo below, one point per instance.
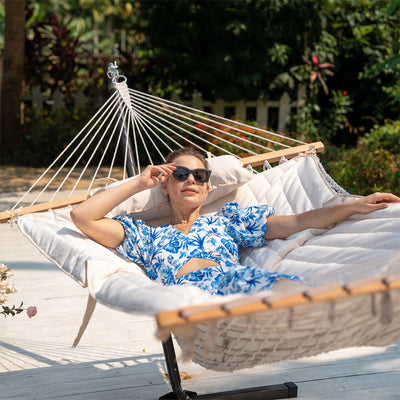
(355, 263)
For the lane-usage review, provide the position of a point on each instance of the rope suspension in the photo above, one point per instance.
(133, 129)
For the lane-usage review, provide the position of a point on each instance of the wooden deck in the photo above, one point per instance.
(119, 358)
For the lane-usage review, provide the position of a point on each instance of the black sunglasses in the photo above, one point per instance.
(200, 175)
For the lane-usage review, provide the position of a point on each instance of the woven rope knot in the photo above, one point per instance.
(14, 215)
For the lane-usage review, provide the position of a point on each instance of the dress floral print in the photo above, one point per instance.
(163, 250)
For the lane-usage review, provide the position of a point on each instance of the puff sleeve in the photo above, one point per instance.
(138, 244)
(248, 225)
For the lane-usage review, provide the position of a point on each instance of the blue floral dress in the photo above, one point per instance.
(163, 250)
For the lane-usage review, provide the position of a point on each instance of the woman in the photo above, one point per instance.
(197, 250)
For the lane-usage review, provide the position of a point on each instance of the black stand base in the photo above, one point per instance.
(280, 391)
(183, 395)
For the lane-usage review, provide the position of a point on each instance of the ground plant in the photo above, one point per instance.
(6, 289)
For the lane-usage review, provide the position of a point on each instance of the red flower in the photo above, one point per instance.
(319, 70)
(199, 126)
(345, 93)
(315, 60)
(31, 311)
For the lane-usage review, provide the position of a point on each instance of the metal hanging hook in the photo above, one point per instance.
(113, 73)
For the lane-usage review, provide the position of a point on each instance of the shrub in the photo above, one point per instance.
(362, 171)
(385, 137)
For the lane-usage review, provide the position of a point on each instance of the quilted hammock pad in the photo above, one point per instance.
(359, 247)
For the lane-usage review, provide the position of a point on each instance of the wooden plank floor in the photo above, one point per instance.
(119, 358)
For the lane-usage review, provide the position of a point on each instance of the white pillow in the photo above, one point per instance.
(227, 175)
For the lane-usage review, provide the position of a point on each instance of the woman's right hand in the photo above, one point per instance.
(154, 175)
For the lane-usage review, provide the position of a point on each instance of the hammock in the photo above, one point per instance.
(355, 264)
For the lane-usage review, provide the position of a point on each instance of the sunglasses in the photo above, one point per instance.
(200, 175)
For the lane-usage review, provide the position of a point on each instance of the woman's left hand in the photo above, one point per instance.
(375, 201)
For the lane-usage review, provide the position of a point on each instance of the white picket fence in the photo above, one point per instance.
(272, 114)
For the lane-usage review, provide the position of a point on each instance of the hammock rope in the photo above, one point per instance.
(201, 125)
(96, 117)
(153, 127)
(212, 118)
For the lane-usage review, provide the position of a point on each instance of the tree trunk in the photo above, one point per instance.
(13, 73)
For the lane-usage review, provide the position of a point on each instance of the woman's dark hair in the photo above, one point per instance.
(186, 151)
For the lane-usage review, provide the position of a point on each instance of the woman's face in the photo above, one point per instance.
(188, 192)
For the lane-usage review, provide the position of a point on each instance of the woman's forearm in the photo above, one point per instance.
(99, 205)
(324, 217)
(280, 227)
(96, 207)
(89, 216)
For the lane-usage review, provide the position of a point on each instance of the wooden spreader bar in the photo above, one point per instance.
(254, 161)
(169, 321)
(276, 155)
(49, 205)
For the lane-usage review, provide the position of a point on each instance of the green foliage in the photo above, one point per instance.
(313, 124)
(225, 49)
(46, 134)
(343, 53)
(58, 59)
(6, 311)
(374, 165)
(2, 24)
(356, 39)
(386, 137)
(362, 172)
